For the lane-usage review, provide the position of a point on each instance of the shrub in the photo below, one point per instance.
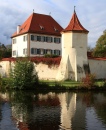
(88, 81)
(23, 75)
(50, 56)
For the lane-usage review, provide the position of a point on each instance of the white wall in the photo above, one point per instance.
(98, 67)
(19, 46)
(4, 68)
(44, 72)
(74, 54)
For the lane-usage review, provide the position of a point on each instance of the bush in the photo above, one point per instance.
(88, 81)
(50, 56)
(23, 75)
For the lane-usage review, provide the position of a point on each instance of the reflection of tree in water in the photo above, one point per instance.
(96, 100)
(87, 98)
(35, 111)
(100, 106)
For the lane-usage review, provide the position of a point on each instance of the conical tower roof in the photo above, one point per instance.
(75, 25)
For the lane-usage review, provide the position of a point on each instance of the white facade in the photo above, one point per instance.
(31, 45)
(98, 68)
(74, 56)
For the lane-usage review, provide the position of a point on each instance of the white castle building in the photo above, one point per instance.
(41, 34)
(38, 35)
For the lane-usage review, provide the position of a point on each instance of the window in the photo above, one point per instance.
(48, 39)
(57, 40)
(57, 52)
(38, 51)
(14, 40)
(25, 51)
(56, 30)
(43, 39)
(33, 51)
(14, 53)
(38, 38)
(25, 38)
(41, 27)
(52, 52)
(42, 51)
(47, 51)
(32, 37)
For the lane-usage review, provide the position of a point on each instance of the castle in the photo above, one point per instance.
(41, 34)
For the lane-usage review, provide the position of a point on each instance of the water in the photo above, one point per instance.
(52, 110)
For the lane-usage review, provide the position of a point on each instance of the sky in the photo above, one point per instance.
(91, 13)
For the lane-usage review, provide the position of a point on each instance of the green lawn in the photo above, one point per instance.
(61, 83)
(67, 84)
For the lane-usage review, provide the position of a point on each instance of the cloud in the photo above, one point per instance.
(91, 14)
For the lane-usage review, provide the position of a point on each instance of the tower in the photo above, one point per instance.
(74, 62)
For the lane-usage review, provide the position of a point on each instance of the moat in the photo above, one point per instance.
(31, 110)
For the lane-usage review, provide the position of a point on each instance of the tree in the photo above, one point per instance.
(5, 52)
(89, 49)
(100, 49)
(23, 75)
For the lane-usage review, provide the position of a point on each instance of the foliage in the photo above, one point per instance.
(4, 52)
(50, 56)
(89, 49)
(88, 81)
(48, 61)
(23, 75)
(100, 49)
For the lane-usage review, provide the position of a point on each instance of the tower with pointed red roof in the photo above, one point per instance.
(74, 63)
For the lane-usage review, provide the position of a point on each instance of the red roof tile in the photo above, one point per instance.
(75, 25)
(90, 56)
(40, 24)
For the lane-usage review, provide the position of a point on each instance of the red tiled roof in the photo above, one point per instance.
(40, 24)
(75, 25)
(90, 56)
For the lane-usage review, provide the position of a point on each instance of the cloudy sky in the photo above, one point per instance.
(91, 13)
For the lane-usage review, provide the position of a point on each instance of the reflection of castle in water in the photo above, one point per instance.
(51, 111)
(59, 109)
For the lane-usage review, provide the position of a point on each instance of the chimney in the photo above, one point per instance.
(18, 29)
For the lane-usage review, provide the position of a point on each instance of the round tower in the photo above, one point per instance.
(74, 62)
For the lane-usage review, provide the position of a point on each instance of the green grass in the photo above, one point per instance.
(68, 85)
(61, 83)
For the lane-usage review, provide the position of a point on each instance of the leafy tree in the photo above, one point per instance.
(23, 75)
(100, 49)
(89, 49)
(5, 52)
(8, 53)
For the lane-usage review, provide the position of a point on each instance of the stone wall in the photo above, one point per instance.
(98, 67)
(44, 71)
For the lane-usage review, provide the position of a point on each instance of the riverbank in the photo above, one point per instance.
(70, 85)
(59, 85)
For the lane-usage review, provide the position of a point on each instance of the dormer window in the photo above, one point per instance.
(56, 30)
(41, 27)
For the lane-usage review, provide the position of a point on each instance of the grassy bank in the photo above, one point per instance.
(70, 85)
(61, 85)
